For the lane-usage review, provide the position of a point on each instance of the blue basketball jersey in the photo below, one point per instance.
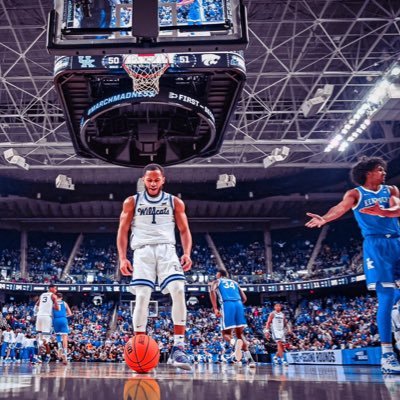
(228, 290)
(62, 312)
(371, 224)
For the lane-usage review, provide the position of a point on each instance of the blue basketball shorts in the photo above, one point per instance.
(381, 261)
(232, 315)
(60, 326)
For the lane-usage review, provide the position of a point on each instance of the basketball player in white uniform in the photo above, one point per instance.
(7, 344)
(151, 216)
(44, 315)
(275, 326)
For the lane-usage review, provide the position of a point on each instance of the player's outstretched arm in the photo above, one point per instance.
(184, 231)
(349, 200)
(392, 212)
(125, 221)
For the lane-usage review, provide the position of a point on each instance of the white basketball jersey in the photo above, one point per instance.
(19, 338)
(45, 304)
(278, 322)
(153, 221)
(8, 336)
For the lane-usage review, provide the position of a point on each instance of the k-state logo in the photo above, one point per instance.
(210, 59)
(370, 264)
(86, 61)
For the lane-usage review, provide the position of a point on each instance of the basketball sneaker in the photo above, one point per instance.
(390, 364)
(251, 363)
(238, 349)
(276, 360)
(179, 358)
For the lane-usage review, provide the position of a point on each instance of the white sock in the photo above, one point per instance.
(248, 355)
(179, 340)
(387, 348)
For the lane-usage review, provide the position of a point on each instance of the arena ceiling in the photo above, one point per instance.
(296, 47)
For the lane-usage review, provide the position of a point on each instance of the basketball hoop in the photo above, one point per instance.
(146, 71)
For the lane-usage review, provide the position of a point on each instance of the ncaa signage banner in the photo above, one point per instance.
(326, 357)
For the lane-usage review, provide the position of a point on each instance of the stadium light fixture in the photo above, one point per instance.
(374, 101)
(226, 181)
(278, 154)
(314, 105)
(12, 157)
(64, 182)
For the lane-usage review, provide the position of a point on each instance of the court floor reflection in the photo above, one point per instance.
(116, 381)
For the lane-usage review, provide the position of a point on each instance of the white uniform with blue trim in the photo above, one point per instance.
(153, 242)
(278, 326)
(44, 319)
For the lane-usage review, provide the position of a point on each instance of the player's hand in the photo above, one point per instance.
(186, 262)
(267, 334)
(125, 267)
(217, 312)
(376, 209)
(316, 221)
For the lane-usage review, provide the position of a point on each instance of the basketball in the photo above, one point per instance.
(142, 389)
(141, 353)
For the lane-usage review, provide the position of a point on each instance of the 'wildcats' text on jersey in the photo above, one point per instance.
(153, 221)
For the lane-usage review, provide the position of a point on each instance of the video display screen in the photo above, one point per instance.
(118, 13)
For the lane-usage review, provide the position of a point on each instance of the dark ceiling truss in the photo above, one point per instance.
(296, 47)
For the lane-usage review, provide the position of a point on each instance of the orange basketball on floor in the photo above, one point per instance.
(142, 353)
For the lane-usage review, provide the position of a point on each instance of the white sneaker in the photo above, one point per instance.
(276, 360)
(251, 363)
(390, 364)
(179, 358)
(238, 349)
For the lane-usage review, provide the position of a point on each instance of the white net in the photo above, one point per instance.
(146, 71)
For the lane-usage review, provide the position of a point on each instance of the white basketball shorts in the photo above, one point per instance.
(156, 261)
(278, 335)
(44, 324)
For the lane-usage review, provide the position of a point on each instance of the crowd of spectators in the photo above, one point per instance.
(47, 261)
(318, 324)
(88, 325)
(97, 258)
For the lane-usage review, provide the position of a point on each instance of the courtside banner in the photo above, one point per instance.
(326, 357)
(364, 356)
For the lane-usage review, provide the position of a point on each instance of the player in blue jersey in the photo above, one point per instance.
(60, 325)
(231, 298)
(194, 16)
(381, 248)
